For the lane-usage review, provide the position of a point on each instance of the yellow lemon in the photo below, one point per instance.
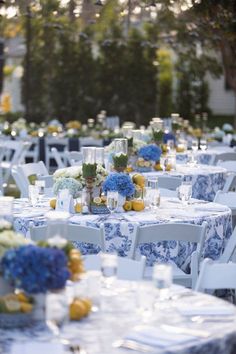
(26, 308)
(103, 199)
(139, 179)
(180, 149)
(88, 304)
(53, 203)
(97, 200)
(158, 167)
(78, 208)
(77, 310)
(12, 305)
(129, 169)
(22, 297)
(138, 204)
(168, 167)
(128, 205)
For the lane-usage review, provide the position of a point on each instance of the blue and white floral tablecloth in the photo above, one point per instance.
(203, 157)
(206, 180)
(120, 230)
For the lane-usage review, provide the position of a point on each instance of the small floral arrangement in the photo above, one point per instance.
(119, 182)
(36, 269)
(150, 152)
(76, 172)
(69, 183)
(9, 239)
(73, 124)
(5, 225)
(19, 124)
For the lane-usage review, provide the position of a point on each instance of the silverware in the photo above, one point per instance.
(133, 345)
(187, 331)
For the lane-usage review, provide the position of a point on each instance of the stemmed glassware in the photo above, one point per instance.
(162, 280)
(203, 144)
(185, 192)
(33, 195)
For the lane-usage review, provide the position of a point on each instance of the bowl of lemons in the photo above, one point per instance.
(15, 310)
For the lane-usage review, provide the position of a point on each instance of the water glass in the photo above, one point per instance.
(162, 279)
(109, 268)
(33, 195)
(41, 187)
(155, 199)
(6, 206)
(203, 144)
(112, 201)
(170, 145)
(147, 196)
(185, 192)
(57, 311)
(153, 183)
(163, 163)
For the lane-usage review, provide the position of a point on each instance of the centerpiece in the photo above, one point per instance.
(120, 156)
(121, 183)
(148, 156)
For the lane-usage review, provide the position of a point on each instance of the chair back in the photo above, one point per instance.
(230, 183)
(22, 173)
(230, 166)
(230, 249)
(127, 269)
(61, 144)
(170, 232)
(214, 275)
(169, 182)
(225, 156)
(79, 233)
(74, 157)
(228, 199)
(57, 157)
(168, 193)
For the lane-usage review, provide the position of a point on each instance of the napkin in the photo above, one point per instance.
(212, 207)
(207, 310)
(80, 219)
(157, 337)
(37, 348)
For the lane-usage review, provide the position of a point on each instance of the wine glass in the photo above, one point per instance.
(109, 268)
(57, 312)
(194, 145)
(203, 144)
(33, 195)
(112, 201)
(185, 192)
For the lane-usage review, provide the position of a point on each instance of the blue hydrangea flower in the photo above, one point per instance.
(150, 152)
(119, 182)
(69, 183)
(168, 136)
(36, 269)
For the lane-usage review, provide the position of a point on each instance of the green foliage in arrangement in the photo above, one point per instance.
(89, 170)
(120, 161)
(157, 135)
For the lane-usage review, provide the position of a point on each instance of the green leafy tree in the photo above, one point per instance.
(165, 82)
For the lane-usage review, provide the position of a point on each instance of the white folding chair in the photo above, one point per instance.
(61, 144)
(2, 150)
(229, 253)
(230, 166)
(214, 275)
(22, 173)
(14, 154)
(230, 183)
(226, 156)
(228, 199)
(79, 233)
(127, 269)
(57, 157)
(168, 193)
(175, 232)
(74, 157)
(169, 182)
(88, 141)
(33, 151)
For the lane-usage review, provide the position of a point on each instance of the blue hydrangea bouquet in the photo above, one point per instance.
(147, 156)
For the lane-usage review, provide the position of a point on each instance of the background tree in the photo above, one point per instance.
(165, 93)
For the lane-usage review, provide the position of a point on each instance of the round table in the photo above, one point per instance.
(206, 180)
(132, 316)
(120, 229)
(203, 157)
